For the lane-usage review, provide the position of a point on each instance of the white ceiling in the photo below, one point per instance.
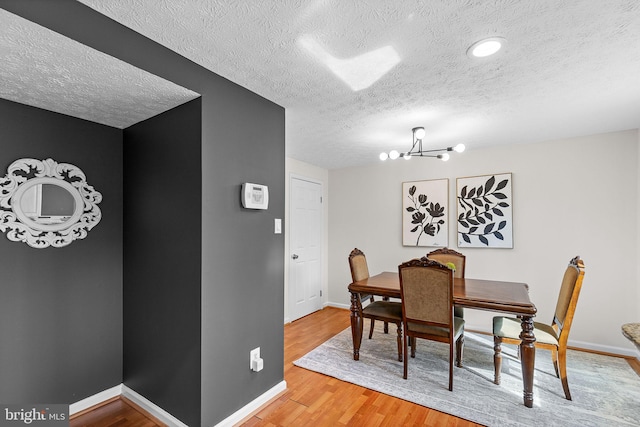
(47, 70)
(355, 77)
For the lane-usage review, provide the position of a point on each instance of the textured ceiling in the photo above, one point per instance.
(355, 77)
(44, 69)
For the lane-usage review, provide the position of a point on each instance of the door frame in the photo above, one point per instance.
(287, 257)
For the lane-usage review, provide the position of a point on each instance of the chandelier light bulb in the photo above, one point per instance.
(419, 132)
(384, 156)
(444, 157)
(393, 154)
(459, 148)
(406, 156)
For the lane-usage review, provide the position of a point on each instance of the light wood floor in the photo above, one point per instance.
(311, 399)
(314, 399)
(117, 412)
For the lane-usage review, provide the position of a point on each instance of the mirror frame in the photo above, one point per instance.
(26, 173)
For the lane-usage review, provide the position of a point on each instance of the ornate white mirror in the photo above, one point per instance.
(45, 203)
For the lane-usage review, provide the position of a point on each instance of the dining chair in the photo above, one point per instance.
(426, 291)
(445, 255)
(385, 311)
(552, 337)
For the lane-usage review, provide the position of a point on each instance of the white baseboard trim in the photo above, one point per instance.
(337, 305)
(96, 399)
(252, 406)
(151, 408)
(123, 390)
(603, 348)
(164, 416)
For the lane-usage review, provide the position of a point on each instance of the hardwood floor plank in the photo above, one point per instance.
(116, 413)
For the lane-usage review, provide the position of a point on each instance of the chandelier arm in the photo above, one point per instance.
(414, 146)
(435, 150)
(439, 153)
(419, 154)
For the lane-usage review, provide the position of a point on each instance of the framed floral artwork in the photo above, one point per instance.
(425, 213)
(485, 218)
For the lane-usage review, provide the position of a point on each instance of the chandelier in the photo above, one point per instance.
(416, 149)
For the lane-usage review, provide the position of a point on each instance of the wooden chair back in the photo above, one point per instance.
(445, 255)
(426, 289)
(568, 299)
(358, 265)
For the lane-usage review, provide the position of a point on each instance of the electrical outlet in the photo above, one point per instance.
(256, 362)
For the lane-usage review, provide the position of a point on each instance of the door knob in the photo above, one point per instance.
(294, 256)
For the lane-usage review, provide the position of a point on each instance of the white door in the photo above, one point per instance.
(305, 246)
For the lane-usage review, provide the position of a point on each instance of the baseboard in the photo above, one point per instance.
(94, 400)
(150, 407)
(165, 417)
(614, 351)
(253, 406)
(337, 305)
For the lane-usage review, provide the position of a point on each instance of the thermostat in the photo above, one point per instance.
(255, 196)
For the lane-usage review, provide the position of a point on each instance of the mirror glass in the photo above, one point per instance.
(47, 204)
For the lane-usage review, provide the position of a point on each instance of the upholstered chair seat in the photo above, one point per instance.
(458, 328)
(507, 327)
(631, 331)
(383, 309)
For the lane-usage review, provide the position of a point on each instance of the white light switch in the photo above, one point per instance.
(277, 226)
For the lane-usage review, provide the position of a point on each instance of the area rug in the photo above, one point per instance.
(605, 390)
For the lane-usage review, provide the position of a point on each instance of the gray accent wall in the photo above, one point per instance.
(162, 229)
(61, 308)
(242, 260)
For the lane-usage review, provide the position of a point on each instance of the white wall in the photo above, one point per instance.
(571, 197)
(637, 314)
(299, 169)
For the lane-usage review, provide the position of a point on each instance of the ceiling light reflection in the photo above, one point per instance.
(358, 72)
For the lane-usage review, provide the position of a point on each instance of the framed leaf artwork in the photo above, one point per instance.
(425, 212)
(485, 218)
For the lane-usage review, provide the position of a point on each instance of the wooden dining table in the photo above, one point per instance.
(492, 295)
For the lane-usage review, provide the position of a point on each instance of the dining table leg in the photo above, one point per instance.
(356, 324)
(527, 358)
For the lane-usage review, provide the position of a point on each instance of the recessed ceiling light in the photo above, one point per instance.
(485, 47)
